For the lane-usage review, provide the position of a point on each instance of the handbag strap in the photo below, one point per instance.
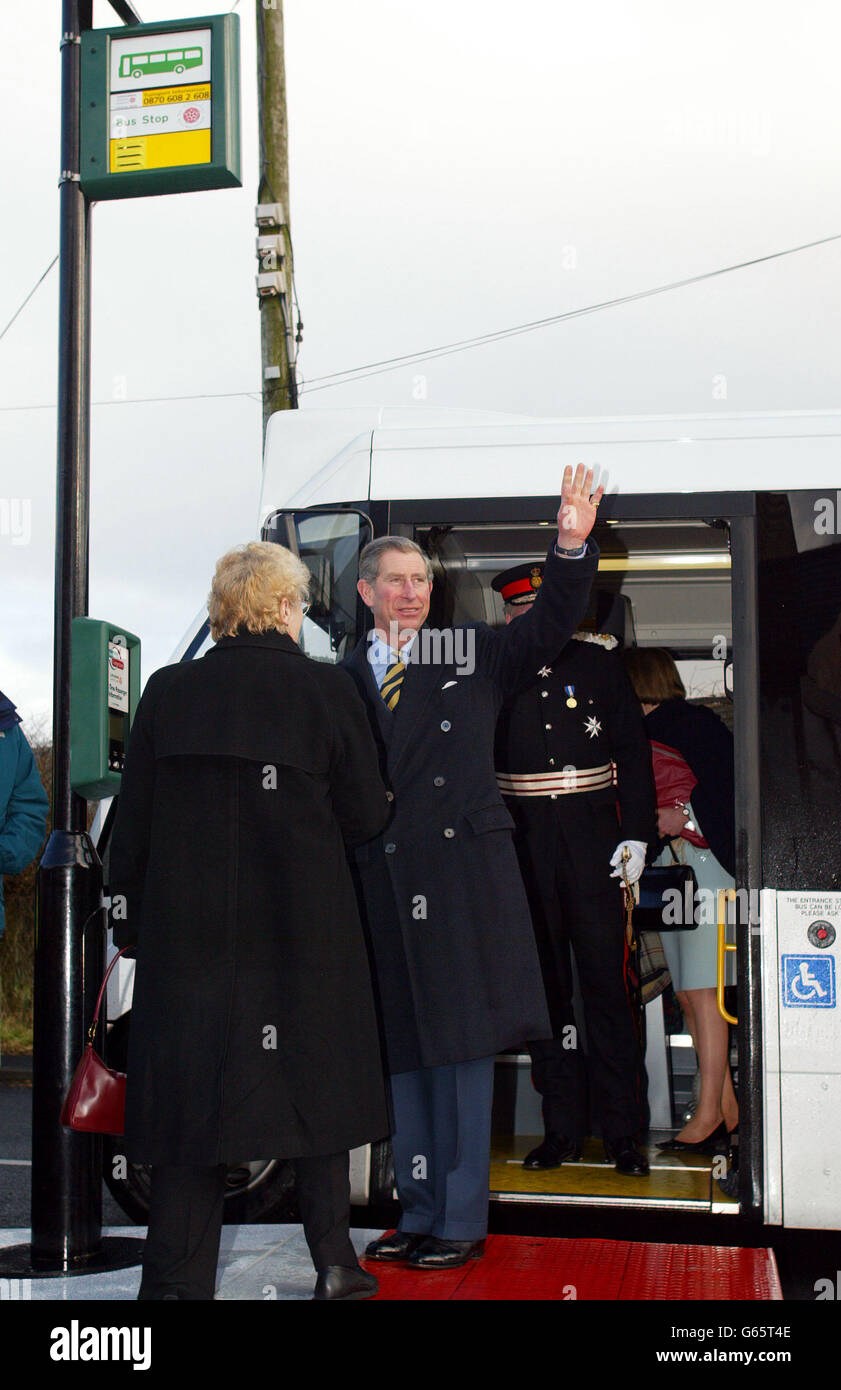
(95, 1020)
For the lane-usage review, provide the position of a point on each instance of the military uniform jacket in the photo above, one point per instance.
(254, 1031)
(456, 962)
(577, 720)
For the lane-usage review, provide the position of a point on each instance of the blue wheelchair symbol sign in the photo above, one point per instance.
(808, 982)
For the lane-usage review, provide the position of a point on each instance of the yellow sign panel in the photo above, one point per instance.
(163, 96)
(160, 151)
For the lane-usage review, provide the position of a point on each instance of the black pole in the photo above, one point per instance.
(70, 925)
(69, 947)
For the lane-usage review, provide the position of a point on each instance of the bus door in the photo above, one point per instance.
(675, 573)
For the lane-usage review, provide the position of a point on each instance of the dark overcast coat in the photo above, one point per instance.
(706, 743)
(456, 962)
(253, 1031)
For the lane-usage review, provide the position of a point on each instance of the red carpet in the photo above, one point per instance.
(535, 1268)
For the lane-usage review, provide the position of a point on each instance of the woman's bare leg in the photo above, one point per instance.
(729, 1103)
(710, 1035)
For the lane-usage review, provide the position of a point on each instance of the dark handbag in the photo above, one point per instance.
(96, 1100)
(667, 898)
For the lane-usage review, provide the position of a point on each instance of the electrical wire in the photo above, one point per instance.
(152, 400)
(390, 364)
(29, 296)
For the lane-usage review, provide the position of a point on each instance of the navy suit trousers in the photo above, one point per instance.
(441, 1144)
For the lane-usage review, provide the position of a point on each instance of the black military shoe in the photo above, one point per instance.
(336, 1282)
(398, 1246)
(626, 1157)
(436, 1253)
(555, 1150)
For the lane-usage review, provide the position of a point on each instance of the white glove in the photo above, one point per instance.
(636, 861)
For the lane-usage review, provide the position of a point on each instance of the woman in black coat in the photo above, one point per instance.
(693, 738)
(254, 1032)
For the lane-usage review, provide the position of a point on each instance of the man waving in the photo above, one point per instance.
(454, 952)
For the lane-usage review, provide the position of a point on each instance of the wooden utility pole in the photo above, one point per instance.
(279, 331)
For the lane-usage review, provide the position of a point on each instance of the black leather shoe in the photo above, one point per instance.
(716, 1142)
(436, 1253)
(555, 1150)
(626, 1157)
(336, 1282)
(398, 1246)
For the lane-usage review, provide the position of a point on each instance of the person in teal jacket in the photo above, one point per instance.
(23, 801)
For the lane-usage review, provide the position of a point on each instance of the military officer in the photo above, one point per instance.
(575, 770)
(454, 954)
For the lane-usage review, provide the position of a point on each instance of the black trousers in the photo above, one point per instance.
(565, 861)
(185, 1224)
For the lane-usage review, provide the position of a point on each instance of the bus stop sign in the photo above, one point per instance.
(160, 108)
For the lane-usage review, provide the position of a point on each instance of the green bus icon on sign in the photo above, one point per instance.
(176, 60)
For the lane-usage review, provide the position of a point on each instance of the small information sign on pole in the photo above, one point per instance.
(160, 108)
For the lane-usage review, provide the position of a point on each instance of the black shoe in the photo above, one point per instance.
(626, 1157)
(716, 1142)
(435, 1253)
(398, 1246)
(336, 1282)
(555, 1150)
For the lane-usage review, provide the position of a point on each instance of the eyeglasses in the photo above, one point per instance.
(305, 608)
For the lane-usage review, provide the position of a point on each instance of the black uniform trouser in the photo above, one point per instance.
(565, 860)
(185, 1224)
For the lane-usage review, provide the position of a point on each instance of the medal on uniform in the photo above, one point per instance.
(569, 691)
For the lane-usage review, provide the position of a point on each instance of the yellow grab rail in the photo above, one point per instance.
(723, 947)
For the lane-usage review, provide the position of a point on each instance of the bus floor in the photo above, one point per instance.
(542, 1267)
(682, 1182)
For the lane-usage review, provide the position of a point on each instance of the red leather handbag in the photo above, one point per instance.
(674, 781)
(96, 1100)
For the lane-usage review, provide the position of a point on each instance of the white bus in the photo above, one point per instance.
(723, 535)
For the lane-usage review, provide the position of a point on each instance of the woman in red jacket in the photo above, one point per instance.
(692, 749)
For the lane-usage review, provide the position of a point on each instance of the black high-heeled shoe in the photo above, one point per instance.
(714, 1143)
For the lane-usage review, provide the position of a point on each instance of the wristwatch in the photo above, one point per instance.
(571, 554)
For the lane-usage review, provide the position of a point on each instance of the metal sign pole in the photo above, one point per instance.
(70, 940)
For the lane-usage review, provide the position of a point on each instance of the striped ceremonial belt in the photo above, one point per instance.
(579, 779)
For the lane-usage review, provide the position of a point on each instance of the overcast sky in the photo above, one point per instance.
(457, 166)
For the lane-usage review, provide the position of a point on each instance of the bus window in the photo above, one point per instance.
(329, 544)
(800, 683)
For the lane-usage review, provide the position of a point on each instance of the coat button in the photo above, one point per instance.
(547, 726)
(438, 781)
(389, 796)
(551, 762)
(390, 848)
(446, 725)
(449, 834)
(544, 694)
(553, 796)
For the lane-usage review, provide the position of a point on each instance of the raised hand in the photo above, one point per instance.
(579, 505)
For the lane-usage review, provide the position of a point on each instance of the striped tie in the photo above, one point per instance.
(390, 688)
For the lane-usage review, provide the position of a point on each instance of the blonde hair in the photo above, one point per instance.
(653, 674)
(249, 585)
